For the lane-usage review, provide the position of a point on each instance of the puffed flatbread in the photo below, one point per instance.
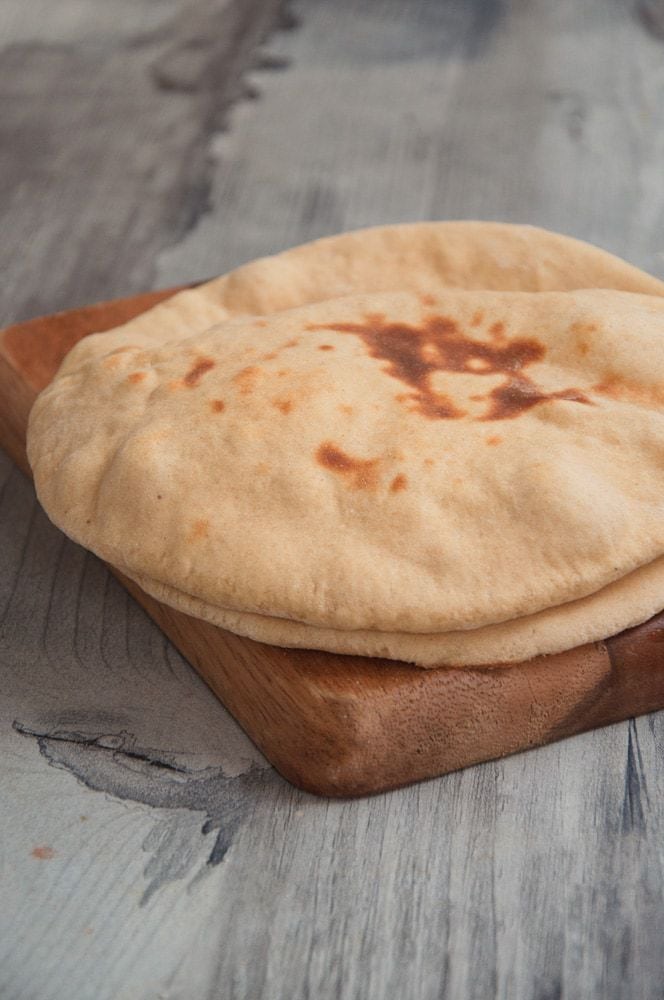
(409, 462)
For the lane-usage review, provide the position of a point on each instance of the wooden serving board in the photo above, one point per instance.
(345, 725)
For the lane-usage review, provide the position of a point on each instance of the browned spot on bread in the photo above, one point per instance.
(413, 354)
(199, 530)
(260, 322)
(360, 473)
(427, 300)
(477, 318)
(494, 439)
(285, 405)
(519, 393)
(625, 390)
(326, 347)
(429, 462)
(399, 483)
(293, 342)
(111, 361)
(283, 372)
(217, 405)
(345, 408)
(583, 333)
(582, 327)
(270, 356)
(136, 377)
(197, 371)
(245, 380)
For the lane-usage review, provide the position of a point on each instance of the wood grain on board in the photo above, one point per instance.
(347, 725)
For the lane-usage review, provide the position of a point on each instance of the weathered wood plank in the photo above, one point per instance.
(105, 130)
(536, 877)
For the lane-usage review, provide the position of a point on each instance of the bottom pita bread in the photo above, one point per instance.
(625, 603)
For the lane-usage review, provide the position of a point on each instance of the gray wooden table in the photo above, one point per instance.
(147, 850)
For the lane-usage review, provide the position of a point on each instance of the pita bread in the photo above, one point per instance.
(396, 463)
(419, 257)
(623, 604)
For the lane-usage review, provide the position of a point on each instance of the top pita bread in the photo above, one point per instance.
(420, 257)
(442, 457)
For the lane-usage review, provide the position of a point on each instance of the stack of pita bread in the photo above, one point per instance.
(441, 443)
